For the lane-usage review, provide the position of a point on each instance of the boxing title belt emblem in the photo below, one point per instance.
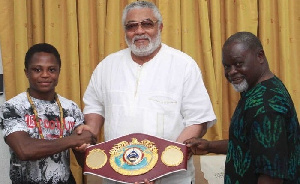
(135, 157)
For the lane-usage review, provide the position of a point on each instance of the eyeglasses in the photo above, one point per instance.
(145, 24)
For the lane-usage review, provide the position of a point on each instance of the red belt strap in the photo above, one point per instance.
(135, 157)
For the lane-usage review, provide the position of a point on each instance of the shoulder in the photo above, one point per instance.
(20, 99)
(275, 87)
(165, 49)
(110, 64)
(67, 103)
(112, 60)
(268, 88)
(281, 99)
(15, 107)
(115, 56)
(177, 58)
(272, 95)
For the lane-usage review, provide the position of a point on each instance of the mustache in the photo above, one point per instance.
(141, 37)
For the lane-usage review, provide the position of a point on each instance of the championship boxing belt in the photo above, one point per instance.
(134, 157)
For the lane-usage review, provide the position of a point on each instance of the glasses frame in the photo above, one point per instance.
(140, 24)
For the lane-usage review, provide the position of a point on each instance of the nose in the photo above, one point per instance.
(45, 74)
(231, 70)
(140, 29)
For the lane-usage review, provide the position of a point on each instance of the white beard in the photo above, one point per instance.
(144, 50)
(243, 86)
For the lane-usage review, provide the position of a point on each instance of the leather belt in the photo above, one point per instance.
(135, 157)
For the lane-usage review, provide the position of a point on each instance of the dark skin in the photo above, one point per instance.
(43, 73)
(199, 146)
(240, 63)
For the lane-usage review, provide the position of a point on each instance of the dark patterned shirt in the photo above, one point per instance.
(17, 115)
(264, 136)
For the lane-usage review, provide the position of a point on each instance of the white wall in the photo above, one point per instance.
(4, 152)
(4, 161)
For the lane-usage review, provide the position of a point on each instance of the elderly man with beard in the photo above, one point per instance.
(148, 88)
(264, 134)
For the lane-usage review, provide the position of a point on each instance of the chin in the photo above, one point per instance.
(241, 87)
(46, 89)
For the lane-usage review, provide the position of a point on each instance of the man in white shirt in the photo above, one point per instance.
(148, 88)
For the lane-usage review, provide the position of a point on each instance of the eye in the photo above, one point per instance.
(131, 26)
(53, 70)
(36, 69)
(239, 64)
(226, 67)
(147, 24)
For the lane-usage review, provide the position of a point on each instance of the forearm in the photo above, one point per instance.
(34, 149)
(197, 130)
(218, 147)
(28, 148)
(95, 122)
(44, 148)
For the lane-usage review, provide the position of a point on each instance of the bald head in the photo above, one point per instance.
(244, 61)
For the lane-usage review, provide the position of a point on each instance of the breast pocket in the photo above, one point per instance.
(163, 104)
(166, 111)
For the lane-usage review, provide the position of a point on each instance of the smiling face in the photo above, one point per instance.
(143, 41)
(243, 66)
(42, 73)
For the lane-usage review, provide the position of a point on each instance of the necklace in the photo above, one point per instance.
(37, 119)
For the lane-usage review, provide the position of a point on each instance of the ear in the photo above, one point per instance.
(161, 27)
(261, 56)
(26, 72)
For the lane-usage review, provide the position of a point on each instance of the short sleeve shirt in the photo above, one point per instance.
(160, 98)
(264, 136)
(17, 115)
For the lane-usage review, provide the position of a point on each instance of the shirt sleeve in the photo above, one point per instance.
(93, 96)
(78, 116)
(11, 120)
(196, 105)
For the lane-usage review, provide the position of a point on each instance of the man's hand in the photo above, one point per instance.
(197, 146)
(79, 130)
(86, 137)
(83, 140)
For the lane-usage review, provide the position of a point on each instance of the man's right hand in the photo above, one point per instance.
(81, 128)
(83, 140)
(197, 146)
